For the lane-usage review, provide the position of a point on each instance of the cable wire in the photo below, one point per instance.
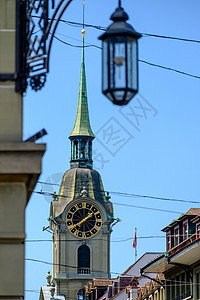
(140, 60)
(169, 69)
(122, 204)
(102, 28)
(117, 273)
(123, 194)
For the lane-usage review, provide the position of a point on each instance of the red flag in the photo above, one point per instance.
(135, 240)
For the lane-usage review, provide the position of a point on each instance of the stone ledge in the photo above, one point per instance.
(21, 158)
(7, 237)
(21, 162)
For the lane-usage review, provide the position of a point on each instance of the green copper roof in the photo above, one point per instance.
(82, 123)
(71, 186)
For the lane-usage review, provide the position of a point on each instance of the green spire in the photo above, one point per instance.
(82, 123)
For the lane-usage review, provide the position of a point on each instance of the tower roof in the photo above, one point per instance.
(72, 184)
(82, 123)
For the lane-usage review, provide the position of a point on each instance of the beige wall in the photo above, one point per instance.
(12, 208)
(7, 36)
(20, 164)
(10, 101)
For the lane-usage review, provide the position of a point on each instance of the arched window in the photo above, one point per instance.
(81, 295)
(83, 149)
(84, 260)
(90, 150)
(76, 150)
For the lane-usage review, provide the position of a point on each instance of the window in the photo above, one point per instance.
(198, 230)
(90, 150)
(76, 150)
(178, 286)
(183, 284)
(185, 231)
(198, 285)
(83, 149)
(168, 242)
(167, 286)
(84, 260)
(81, 295)
(173, 290)
(176, 236)
(188, 287)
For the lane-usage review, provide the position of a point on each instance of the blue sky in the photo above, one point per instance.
(158, 151)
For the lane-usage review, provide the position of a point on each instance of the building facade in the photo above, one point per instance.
(130, 285)
(180, 264)
(20, 163)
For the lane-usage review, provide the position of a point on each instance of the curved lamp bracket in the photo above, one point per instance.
(36, 27)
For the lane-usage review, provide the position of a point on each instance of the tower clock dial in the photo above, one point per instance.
(84, 220)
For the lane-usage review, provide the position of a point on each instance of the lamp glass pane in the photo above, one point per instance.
(132, 64)
(129, 95)
(105, 65)
(109, 96)
(119, 95)
(117, 65)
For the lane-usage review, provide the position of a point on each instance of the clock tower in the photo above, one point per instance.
(81, 215)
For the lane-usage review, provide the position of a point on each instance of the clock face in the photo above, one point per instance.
(84, 220)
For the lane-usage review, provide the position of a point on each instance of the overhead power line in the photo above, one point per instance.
(76, 46)
(62, 265)
(140, 60)
(148, 208)
(112, 241)
(128, 195)
(116, 273)
(169, 69)
(122, 204)
(102, 28)
(171, 38)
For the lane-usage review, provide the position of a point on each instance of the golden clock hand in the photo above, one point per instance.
(82, 221)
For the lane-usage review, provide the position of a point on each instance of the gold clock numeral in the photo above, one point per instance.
(94, 209)
(80, 234)
(88, 234)
(76, 206)
(69, 223)
(73, 209)
(88, 205)
(98, 224)
(98, 215)
(96, 227)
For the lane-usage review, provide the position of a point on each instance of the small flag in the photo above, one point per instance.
(135, 240)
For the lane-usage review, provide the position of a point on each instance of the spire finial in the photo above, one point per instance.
(83, 33)
(119, 3)
(83, 13)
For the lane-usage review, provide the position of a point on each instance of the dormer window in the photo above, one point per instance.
(198, 230)
(185, 230)
(176, 236)
(168, 241)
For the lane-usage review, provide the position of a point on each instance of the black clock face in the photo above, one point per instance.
(84, 220)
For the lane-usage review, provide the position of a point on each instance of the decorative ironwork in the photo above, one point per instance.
(37, 22)
(35, 32)
(37, 82)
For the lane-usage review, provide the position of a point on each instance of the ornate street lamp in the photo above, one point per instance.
(120, 59)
